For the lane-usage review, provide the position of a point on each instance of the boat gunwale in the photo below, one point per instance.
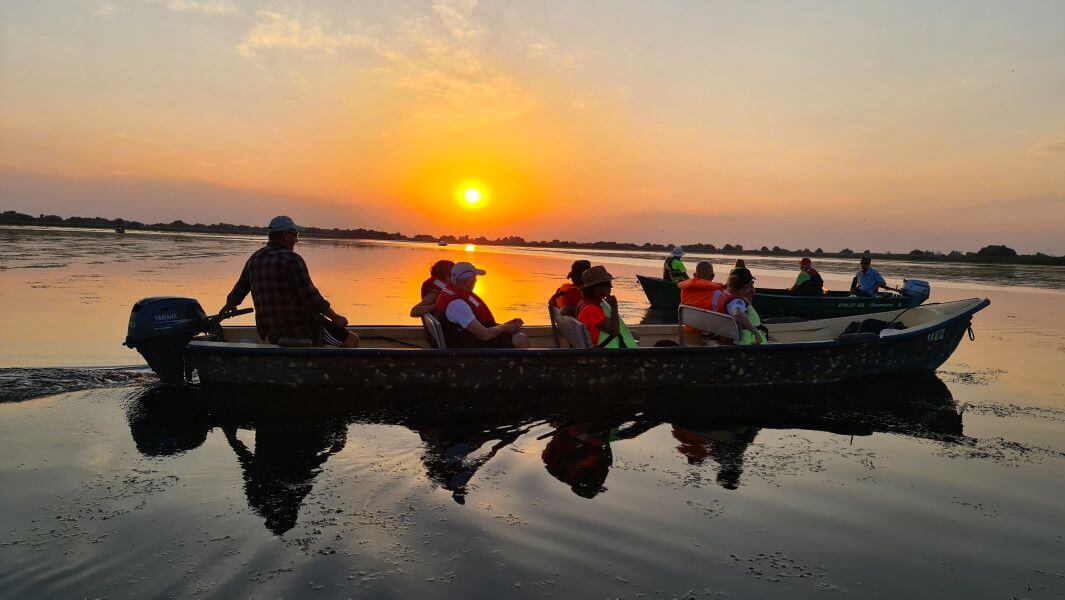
(209, 347)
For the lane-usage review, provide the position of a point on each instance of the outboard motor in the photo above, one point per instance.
(918, 289)
(159, 328)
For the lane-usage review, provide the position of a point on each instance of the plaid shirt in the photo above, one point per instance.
(286, 302)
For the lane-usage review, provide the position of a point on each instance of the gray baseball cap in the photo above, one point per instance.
(464, 270)
(284, 223)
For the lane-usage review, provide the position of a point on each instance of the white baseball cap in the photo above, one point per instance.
(465, 270)
(283, 223)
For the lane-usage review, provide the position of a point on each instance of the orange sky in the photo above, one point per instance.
(883, 126)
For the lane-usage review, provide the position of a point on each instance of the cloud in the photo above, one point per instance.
(299, 32)
(205, 7)
(106, 9)
(456, 17)
(1055, 148)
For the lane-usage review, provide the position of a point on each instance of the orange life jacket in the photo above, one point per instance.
(699, 292)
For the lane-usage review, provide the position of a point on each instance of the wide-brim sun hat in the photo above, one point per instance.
(678, 251)
(596, 275)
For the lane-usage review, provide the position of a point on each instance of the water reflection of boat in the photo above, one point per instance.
(295, 437)
(400, 357)
(772, 302)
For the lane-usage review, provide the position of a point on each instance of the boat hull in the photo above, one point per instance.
(772, 303)
(921, 350)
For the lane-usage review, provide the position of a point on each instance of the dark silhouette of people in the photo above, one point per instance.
(280, 471)
(452, 456)
(726, 447)
(580, 456)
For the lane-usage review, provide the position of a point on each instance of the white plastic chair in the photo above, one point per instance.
(434, 329)
(706, 320)
(574, 332)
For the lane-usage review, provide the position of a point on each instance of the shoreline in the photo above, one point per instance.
(100, 224)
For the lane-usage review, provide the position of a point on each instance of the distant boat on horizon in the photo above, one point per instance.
(120, 229)
(441, 243)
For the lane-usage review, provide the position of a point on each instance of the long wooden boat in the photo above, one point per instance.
(772, 302)
(399, 357)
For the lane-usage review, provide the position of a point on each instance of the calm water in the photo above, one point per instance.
(945, 486)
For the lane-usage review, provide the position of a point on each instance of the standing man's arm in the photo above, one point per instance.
(239, 292)
(310, 294)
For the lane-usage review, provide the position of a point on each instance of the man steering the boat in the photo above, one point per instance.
(868, 281)
(467, 320)
(288, 307)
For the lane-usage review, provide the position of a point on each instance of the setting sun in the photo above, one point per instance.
(472, 196)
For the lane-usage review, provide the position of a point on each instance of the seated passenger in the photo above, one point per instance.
(673, 269)
(599, 311)
(568, 296)
(701, 290)
(439, 276)
(736, 301)
(809, 282)
(466, 319)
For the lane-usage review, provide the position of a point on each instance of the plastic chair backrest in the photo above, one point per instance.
(706, 320)
(434, 329)
(574, 332)
(554, 314)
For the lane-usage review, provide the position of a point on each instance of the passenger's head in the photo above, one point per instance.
(441, 270)
(596, 283)
(740, 281)
(704, 270)
(805, 263)
(677, 252)
(865, 262)
(577, 270)
(284, 231)
(740, 264)
(464, 275)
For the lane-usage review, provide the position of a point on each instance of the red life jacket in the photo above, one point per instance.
(569, 295)
(432, 285)
(450, 293)
(722, 300)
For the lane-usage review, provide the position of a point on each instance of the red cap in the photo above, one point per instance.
(805, 262)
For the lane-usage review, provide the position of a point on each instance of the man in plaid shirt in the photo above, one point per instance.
(287, 305)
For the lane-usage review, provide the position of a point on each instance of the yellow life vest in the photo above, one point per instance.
(624, 335)
(746, 337)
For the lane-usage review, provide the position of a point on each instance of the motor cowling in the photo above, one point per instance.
(918, 289)
(160, 328)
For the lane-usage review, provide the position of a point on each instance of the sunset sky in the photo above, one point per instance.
(883, 125)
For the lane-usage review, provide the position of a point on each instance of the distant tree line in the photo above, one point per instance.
(995, 253)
